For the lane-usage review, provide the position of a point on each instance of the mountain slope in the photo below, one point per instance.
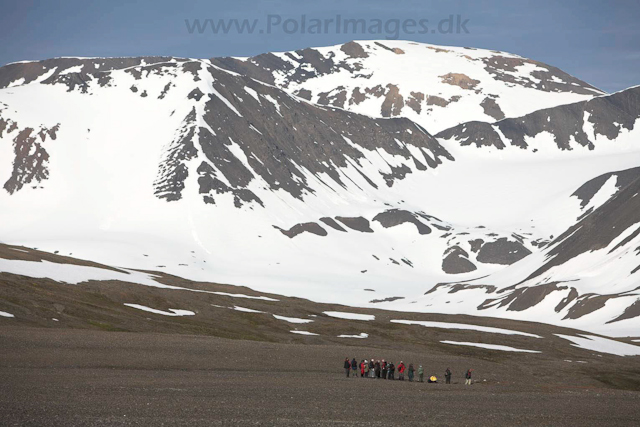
(573, 126)
(587, 277)
(239, 127)
(193, 169)
(149, 156)
(436, 86)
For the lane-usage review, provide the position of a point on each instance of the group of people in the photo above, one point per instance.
(387, 371)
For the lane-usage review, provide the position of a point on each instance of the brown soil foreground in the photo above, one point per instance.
(81, 355)
(78, 377)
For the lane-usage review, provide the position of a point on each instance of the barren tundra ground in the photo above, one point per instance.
(212, 354)
(54, 377)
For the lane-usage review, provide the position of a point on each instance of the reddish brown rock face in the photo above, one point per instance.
(461, 80)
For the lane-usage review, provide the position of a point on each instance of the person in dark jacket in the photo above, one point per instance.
(411, 371)
(467, 377)
(384, 366)
(392, 372)
(354, 367)
(377, 368)
(347, 366)
(447, 376)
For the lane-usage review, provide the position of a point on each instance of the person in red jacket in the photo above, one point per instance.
(362, 369)
(401, 369)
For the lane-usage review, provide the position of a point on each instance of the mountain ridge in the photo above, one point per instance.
(192, 168)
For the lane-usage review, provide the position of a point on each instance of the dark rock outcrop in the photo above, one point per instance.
(31, 159)
(356, 223)
(607, 115)
(546, 77)
(623, 178)
(502, 251)
(456, 261)
(333, 224)
(309, 227)
(492, 108)
(394, 217)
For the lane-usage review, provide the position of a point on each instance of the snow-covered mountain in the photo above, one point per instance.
(241, 171)
(436, 86)
(586, 277)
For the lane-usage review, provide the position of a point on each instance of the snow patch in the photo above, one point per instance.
(602, 345)
(361, 335)
(246, 310)
(226, 294)
(171, 312)
(17, 82)
(70, 70)
(446, 325)
(491, 346)
(303, 333)
(292, 319)
(253, 93)
(349, 316)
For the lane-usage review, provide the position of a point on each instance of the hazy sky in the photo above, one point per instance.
(596, 41)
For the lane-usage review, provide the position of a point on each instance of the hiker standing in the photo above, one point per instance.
(421, 373)
(354, 367)
(392, 372)
(411, 371)
(377, 369)
(347, 366)
(372, 368)
(401, 369)
(384, 367)
(447, 376)
(362, 368)
(467, 377)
